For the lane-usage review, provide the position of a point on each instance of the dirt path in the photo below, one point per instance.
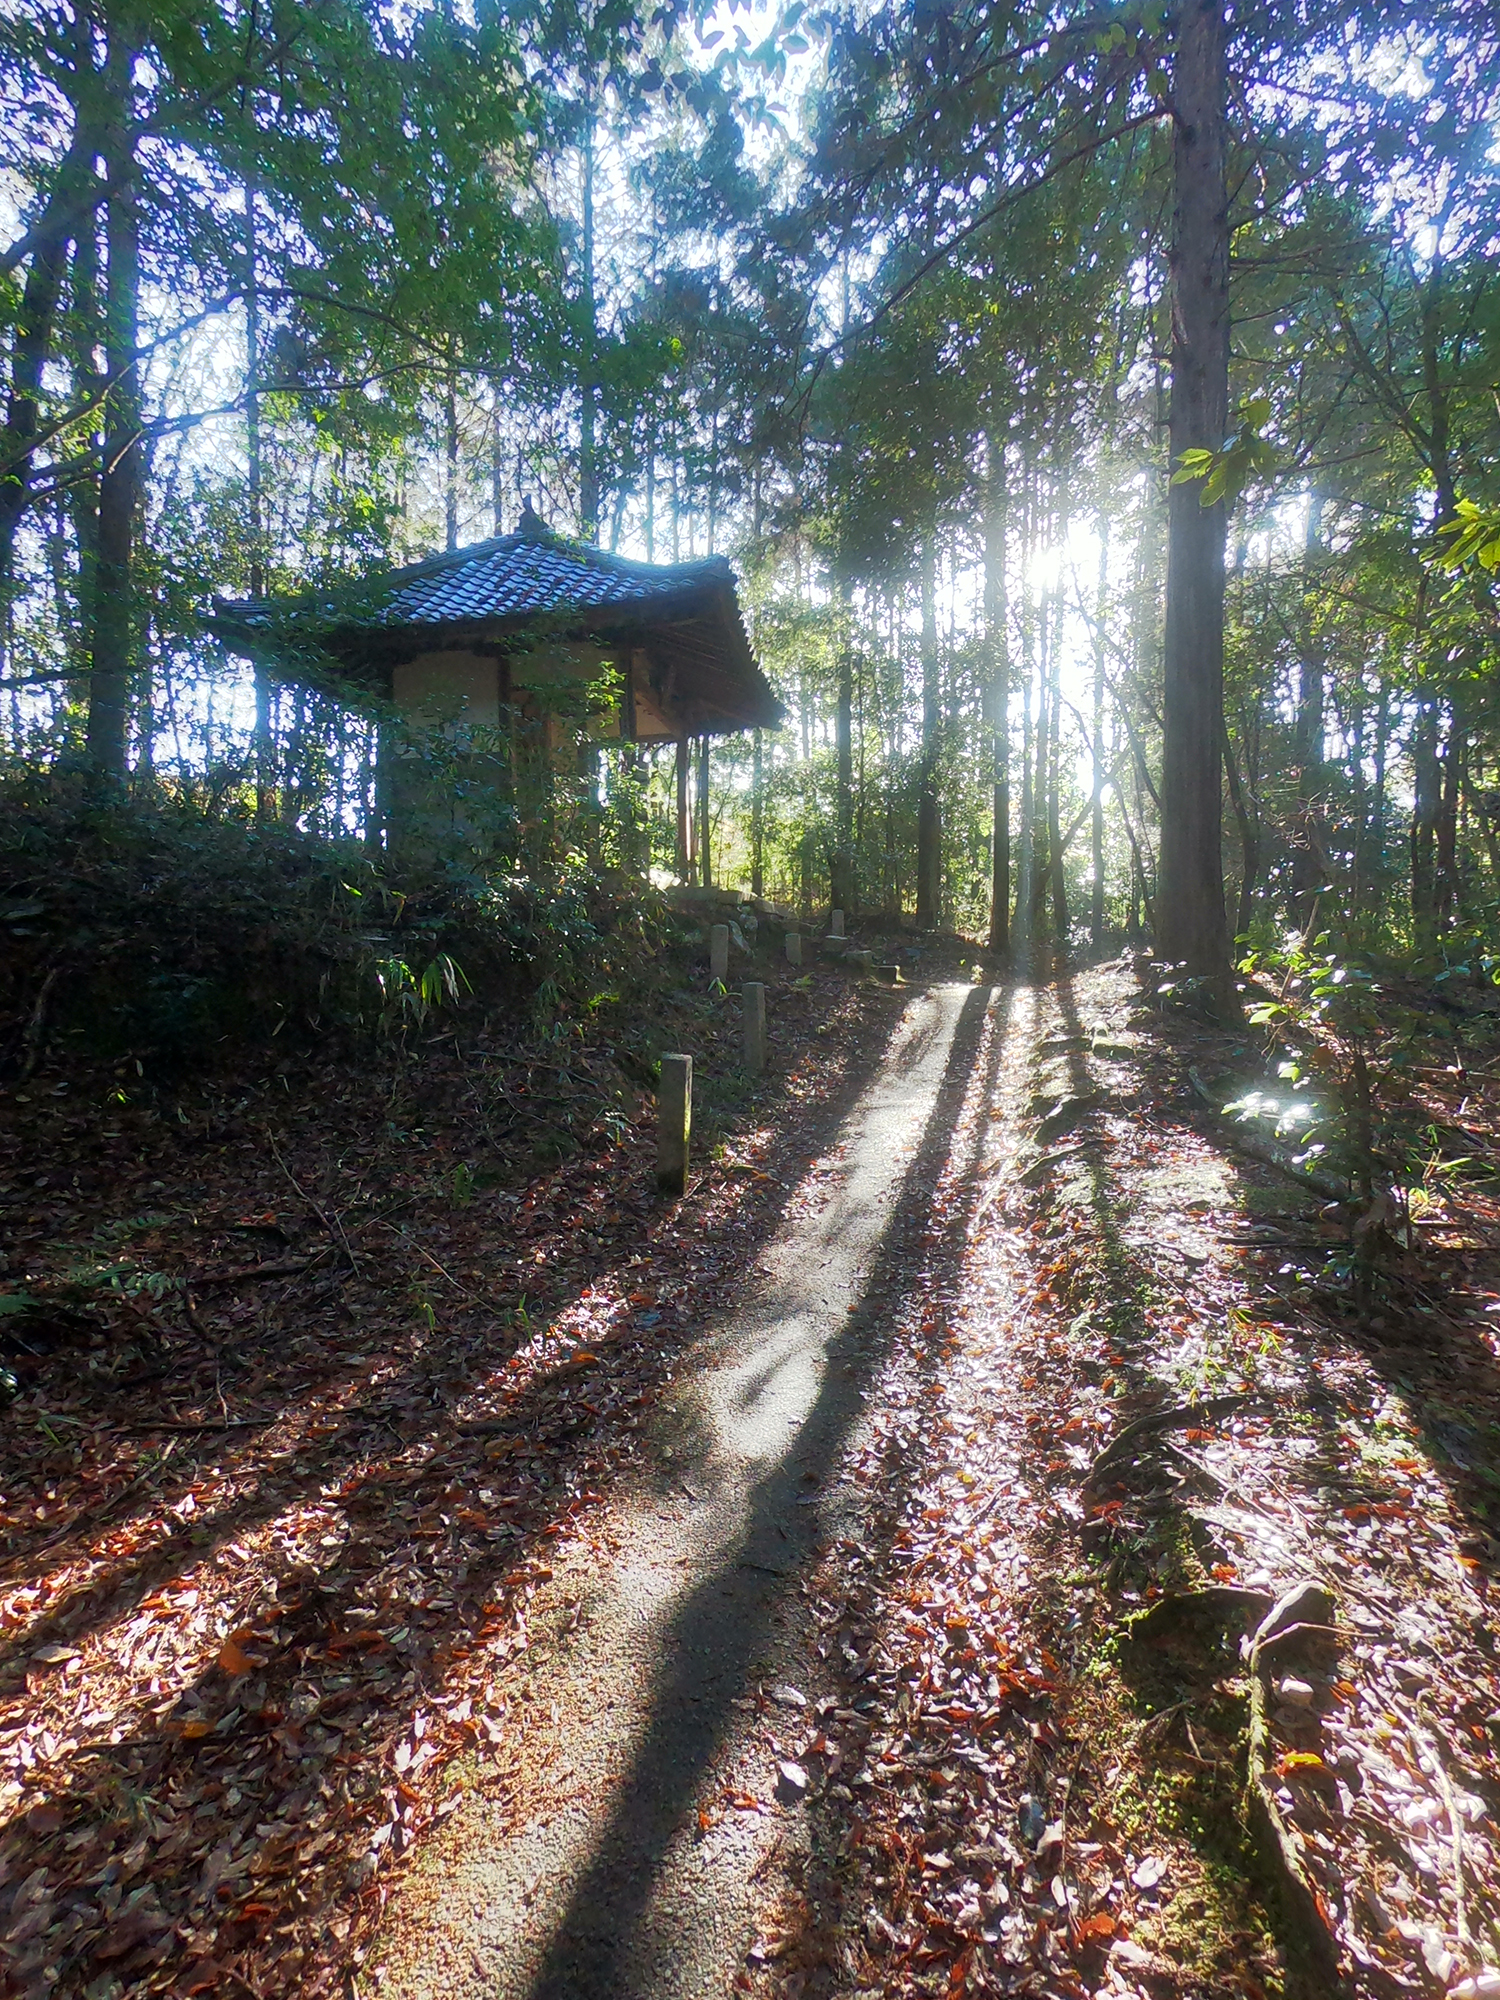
(888, 1689)
(831, 1586)
(615, 1860)
(865, 1622)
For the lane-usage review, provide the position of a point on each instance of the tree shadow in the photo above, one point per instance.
(1161, 1539)
(411, 1406)
(398, 1575)
(602, 1943)
(1145, 1533)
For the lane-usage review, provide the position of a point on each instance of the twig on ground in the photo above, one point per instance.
(282, 1267)
(192, 1430)
(442, 1270)
(1185, 1416)
(333, 1225)
(31, 1038)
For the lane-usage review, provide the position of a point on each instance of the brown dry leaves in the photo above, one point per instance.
(272, 1537)
(998, 1729)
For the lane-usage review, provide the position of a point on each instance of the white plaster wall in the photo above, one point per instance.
(449, 687)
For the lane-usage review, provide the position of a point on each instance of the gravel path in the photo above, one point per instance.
(614, 1860)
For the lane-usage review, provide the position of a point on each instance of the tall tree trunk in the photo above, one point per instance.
(684, 839)
(83, 496)
(497, 466)
(1426, 803)
(804, 838)
(1307, 868)
(265, 742)
(704, 828)
(1354, 735)
(929, 824)
(1439, 432)
(1483, 809)
(1041, 772)
(120, 476)
(758, 818)
(996, 613)
(1062, 922)
(450, 465)
(841, 874)
(1377, 810)
(1249, 840)
(588, 386)
(35, 331)
(1021, 927)
(1096, 803)
(1445, 863)
(1190, 897)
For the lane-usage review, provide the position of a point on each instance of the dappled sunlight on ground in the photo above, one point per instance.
(757, 1434)
(231, 1711)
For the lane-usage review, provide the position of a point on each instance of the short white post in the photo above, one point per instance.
(794, 947)
(718, 951)
(674, 1123)
(835, 923)
(754, 998)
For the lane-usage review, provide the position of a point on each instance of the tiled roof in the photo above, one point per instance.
(530, 573)
(525, 574)
(686, 614)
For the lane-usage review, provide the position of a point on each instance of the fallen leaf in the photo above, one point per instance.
(1149, 1872)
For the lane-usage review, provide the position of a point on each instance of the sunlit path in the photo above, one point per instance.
(617, 1864)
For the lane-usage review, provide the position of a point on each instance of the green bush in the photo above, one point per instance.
(159, 929)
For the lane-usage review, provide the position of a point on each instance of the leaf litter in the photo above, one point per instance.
(1112, 1437)
(274, 1522)
(1051, 1737)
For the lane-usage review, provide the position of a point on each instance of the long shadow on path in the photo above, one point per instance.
(814, 1345)
(382, 1607)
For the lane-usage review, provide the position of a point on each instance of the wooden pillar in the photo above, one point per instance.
(683, 837)
(703, 826)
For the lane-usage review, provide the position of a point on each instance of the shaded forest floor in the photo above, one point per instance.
(293, 1539)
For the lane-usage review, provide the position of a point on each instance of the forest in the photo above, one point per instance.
(1089, 415)
(885, 310)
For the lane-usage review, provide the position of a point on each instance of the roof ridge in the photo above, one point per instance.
(532, 570)
(587, 553)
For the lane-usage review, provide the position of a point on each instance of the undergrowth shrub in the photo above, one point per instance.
(159, 929)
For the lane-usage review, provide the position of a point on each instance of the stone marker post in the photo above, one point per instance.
(794, 947)
(718, 951)
(754, 995)
(835, 923)
(674, 1123)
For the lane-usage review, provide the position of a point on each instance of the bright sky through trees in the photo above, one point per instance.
(879, 305)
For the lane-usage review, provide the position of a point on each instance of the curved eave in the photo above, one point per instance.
(699, 628)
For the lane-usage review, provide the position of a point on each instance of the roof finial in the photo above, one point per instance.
(531, 523)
